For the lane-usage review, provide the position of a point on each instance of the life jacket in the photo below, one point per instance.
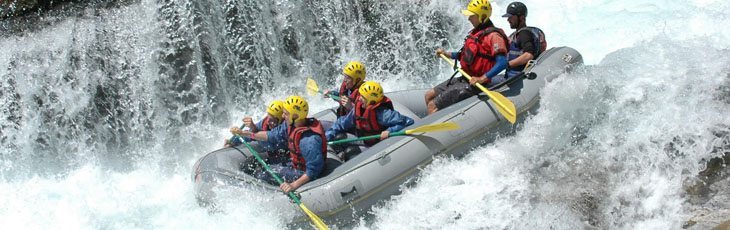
(366, 121)
(295, 135)
(475, 58)
(265, 124)
(341, 110)
(538, 38)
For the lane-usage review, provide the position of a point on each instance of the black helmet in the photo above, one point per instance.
(516, 9)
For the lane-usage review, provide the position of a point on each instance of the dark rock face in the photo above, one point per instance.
(12, 8)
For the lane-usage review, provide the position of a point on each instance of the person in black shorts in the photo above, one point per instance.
(483, 56)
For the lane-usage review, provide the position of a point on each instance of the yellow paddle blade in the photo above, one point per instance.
(312, 87)
(504, 105)
(446, 126)
(315, 219)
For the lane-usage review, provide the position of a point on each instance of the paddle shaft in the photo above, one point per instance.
(446, 126)
(479, 85)
(334, 97)
(312, 86)
(271, 172)
(318, 223)
(230, 140)
(365, 138)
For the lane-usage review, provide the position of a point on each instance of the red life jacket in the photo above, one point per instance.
(295, 135)
(265, 124)
(341, 110)
(366, 121)
(475, 58)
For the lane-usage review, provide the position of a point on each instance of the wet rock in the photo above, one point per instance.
(724, 226)
(708, 219)
(707, 196)
(700, 190)
(12, 8)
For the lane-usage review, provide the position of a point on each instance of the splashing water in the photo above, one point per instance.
(105, 109)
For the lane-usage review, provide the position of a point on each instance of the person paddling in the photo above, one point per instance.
(305, 140)
(526, 43)
(353, 77)
(373, 114)
(272, 119)
(483, 56)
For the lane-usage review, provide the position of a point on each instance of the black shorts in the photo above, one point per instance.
(452, 91)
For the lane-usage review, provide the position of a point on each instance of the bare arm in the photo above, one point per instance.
(288, 187)
(259, 136)
(521, 60)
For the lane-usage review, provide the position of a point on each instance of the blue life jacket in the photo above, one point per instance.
(538, 39)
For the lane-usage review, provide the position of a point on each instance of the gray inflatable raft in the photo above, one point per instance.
(377, 173)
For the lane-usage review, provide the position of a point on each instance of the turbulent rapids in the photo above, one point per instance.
(107, 106)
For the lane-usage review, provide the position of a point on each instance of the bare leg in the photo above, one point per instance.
(430, 95)
(432, 107)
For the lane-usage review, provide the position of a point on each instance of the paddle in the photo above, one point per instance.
(446, 126)
(230, 140)
(313, 89)
(313, 217)
(504, 105)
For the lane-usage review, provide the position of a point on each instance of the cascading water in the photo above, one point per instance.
(107, 106)
(613, 146)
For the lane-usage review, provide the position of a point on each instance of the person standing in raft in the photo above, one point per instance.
(306, 143)
(483, 56)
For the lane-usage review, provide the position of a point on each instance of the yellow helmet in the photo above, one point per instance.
(296, 105)
(355, 70)
(371, 91)
(481, 8)
(276, 109)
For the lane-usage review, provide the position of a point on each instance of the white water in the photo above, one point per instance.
(597, 153)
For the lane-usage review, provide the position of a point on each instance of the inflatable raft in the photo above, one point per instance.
(377, 173)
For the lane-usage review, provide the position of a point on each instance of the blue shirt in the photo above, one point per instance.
(336, 92)
(392, 120)
(236, 140)
(278, 137)
(498, 67)
(259, 126)
(268, 146)
(310, 145)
